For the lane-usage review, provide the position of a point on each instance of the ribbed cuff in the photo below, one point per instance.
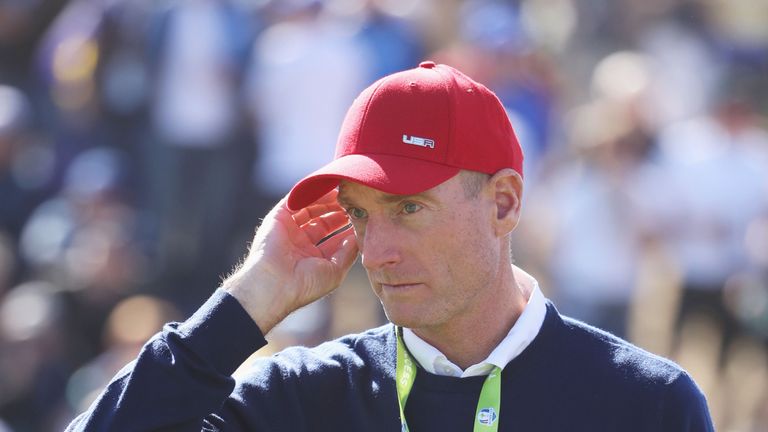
(222, 332)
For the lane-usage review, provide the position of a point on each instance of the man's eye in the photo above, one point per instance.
(356, 213)
(410, 207)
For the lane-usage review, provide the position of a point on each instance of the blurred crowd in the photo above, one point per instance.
(142, 140)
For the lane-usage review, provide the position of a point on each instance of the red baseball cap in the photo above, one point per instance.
(412, 130)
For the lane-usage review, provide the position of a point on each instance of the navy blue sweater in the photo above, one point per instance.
(571, 378)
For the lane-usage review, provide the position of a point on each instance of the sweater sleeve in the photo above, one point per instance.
(183, 374)
(685, 408)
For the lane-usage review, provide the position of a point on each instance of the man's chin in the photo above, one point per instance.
(409, 319)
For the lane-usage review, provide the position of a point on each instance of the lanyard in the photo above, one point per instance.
(488, 405)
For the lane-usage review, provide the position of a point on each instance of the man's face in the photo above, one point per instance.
(430, 257)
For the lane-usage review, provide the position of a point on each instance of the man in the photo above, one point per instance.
(428, 170)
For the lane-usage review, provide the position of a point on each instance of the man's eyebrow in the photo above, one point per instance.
(392, 198)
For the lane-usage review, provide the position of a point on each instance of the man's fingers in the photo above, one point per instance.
(345, 251)
(325, 204)
(319, 227)
(306, 214)
(330, 246)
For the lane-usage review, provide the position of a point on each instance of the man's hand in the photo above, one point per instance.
(284, 269)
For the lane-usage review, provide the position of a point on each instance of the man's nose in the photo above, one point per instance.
(380, 245)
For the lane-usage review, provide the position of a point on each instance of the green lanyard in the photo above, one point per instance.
(488, 406)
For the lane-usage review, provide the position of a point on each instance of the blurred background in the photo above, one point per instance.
(142, 140)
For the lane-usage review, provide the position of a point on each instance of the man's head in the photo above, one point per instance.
(430, 173)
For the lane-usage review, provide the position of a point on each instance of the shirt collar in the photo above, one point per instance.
(522, 333)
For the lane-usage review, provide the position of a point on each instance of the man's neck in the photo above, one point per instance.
(470, 340)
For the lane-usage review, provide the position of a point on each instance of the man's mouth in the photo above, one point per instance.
(400, 286)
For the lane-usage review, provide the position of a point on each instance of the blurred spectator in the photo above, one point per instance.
(723, 189)
(598, 210)
(305, 70)
(123, 79)
(67, 62)
(199, 153)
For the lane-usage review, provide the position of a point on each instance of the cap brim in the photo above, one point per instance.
(387, 173)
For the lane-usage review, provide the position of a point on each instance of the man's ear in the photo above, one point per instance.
(507, 189)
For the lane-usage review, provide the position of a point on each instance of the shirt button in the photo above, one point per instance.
(447, 370)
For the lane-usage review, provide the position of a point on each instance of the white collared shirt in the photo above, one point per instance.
(522, 333)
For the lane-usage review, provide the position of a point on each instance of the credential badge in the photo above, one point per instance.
(487, 416)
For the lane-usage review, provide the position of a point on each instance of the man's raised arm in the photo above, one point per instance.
(183, 374)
